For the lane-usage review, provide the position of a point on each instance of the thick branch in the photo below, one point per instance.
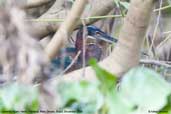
(27, 4)
(35, 3)
(41, 29)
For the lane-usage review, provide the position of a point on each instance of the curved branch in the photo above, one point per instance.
(36, 3)
(42, 29)
(65, 30)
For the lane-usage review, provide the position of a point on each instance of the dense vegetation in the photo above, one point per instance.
(131, 76)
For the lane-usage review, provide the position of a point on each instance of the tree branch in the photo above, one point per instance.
(36, 3)
(65, 30)
(42, 29)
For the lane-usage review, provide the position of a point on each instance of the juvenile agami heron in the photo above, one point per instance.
(93, 48)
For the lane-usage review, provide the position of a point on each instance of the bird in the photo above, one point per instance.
(93, 48)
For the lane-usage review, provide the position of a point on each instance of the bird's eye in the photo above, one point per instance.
(97, 33)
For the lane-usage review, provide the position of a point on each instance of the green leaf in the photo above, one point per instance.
(116, 104)
(107, 80)
(167, 108)
(141, 90)
(80, 96)
(145, 89)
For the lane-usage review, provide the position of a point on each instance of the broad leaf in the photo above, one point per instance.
(145, 89)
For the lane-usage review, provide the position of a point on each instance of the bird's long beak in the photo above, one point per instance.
(100, 35)
(107, 38)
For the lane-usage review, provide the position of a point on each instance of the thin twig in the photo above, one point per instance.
(162, 8)
(155, 62)
(164, 41)
(156, 27)
(84, 47)
(72, 63)
(62, 19)
(167, 32)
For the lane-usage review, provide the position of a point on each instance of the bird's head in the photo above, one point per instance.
(93, 33)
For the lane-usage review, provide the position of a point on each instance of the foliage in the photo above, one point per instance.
(18, 97)
(140, 91)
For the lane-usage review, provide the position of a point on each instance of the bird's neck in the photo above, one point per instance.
(79, 40)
